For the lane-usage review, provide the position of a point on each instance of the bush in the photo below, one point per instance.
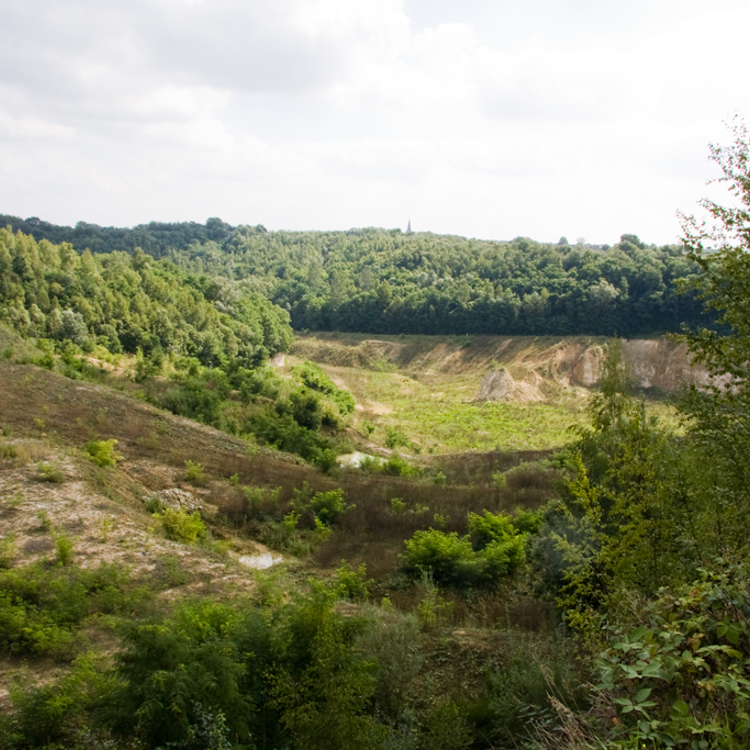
(324, 506)
(194, 472)
(352, 583)
(492, 550)
(103, 453)
(183, 527)
(446, 556)
(680, 676)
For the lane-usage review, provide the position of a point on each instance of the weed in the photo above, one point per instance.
(352, 583)
(44, 520)
(500, 480)
(48, 472)
(432, 608)
(154, 506)
(9, 451)
(16, 501)
(105, 527)
(7, 550)
(171, 571)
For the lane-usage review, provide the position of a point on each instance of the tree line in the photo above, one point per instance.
(386, 281)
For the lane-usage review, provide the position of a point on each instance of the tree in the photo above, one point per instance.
(720, 411)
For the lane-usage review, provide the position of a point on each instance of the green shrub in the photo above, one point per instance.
(491, 551)
(64, 548)
(324, 506)
(315, 378)
(103, 453)
(352, 583)
(680, 675)
(489, 528)
(184, 527)
(395, 438)
(57, 714)
(446, 556)
(41, 607)
(194, 472)
(172, 672)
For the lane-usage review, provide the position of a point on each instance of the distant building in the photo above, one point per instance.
(408, 227)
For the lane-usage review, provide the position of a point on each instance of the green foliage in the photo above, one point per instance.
(446, 728)
(64, 547)
(7, 550)
(492, 550)
(315, 378)
(58, 714)
(352, 583)
(134, 304)
(395, 438)
(446, 556)
(323, 693)
(383, 281)
(171, 673)
(717, 414)
(103, 453)
(678, 672)
(49, 472)
(194, 472)
(180, 526)
(325, 507)
(534, 673)
(41, 607)
(625, 519)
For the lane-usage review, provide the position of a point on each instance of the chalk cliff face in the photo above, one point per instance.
(511, 368)
(653, 363)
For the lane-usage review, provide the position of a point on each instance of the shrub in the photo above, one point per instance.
(680, 676)
(53, 715)
(184, 527)
(64, 549)
(489, 528)
(103, 453)
(194, 472)
(445, 555)
(324, 506)
(491, 551)
(352, 582)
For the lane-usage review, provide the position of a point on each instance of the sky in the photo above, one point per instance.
(481, 118)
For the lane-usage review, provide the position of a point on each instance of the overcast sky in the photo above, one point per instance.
(482, 118)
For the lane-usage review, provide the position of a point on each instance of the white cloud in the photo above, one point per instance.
(483, 118)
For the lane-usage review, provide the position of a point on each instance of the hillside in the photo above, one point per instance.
(67, 521)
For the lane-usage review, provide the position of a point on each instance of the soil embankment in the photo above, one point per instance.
(510, 368)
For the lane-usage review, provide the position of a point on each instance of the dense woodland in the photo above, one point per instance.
(386, 281)
(638, 547)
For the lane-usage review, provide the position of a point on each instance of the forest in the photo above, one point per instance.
(387, 281)
(596, 596)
